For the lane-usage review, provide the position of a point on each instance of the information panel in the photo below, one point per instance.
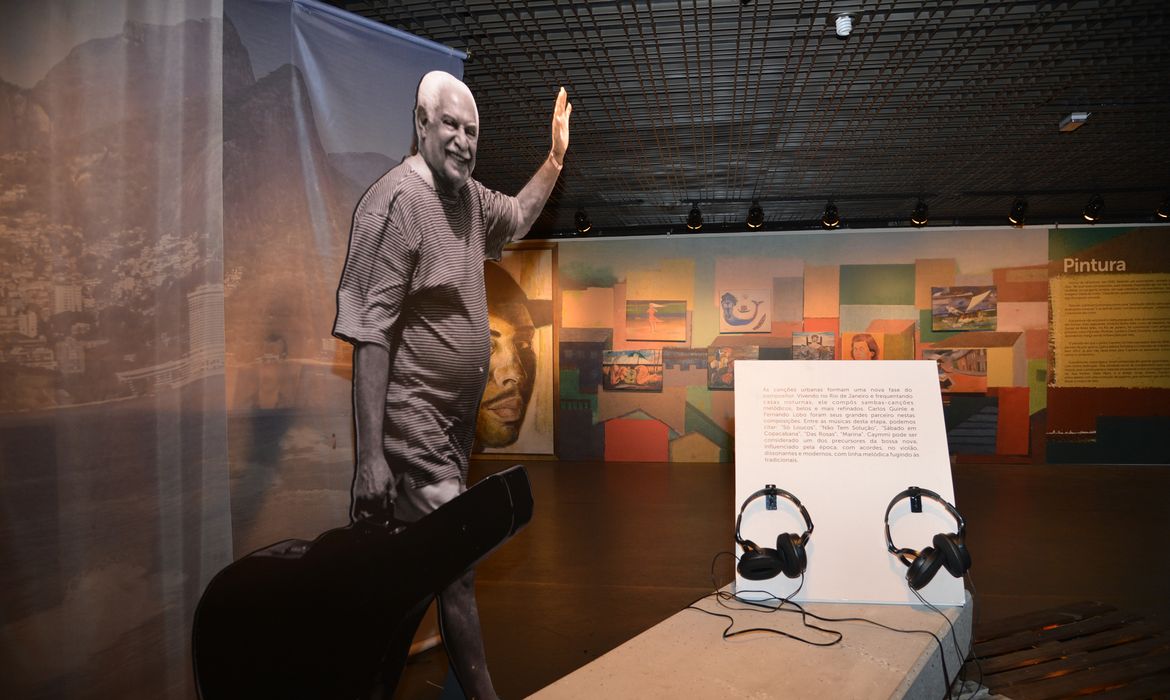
(1111, 330)
(844, 438)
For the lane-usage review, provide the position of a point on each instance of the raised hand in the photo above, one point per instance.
(560, 127)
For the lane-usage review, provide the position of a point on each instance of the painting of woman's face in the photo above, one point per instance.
(863, 347)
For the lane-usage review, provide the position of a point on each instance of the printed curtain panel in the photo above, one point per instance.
(114, 504)
(176, 183)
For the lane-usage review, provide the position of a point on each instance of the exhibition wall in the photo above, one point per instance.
(672, 313)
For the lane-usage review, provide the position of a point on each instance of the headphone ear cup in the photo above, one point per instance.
(923, 568)
(953, 551)
(793, 558)
(758, 563)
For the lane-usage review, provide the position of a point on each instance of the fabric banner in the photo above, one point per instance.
(114, 501)
(176, 183)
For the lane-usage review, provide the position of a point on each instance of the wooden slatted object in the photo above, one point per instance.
(1077, 650)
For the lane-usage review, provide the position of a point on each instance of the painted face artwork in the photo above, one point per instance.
(863, 347)
(449, 138)
(511, 375)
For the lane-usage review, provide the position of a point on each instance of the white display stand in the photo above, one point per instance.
(844, 438)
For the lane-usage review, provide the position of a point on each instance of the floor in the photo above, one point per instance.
(615, 548)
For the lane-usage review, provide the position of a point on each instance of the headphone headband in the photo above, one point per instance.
(913, 492)
(773, 491)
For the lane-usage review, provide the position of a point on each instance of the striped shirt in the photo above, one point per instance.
(413, 283)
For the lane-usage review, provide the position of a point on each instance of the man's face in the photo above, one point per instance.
(448, 138)
(861, 350)
(510, 377)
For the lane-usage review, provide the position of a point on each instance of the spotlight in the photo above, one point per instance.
(755, 217)
(830, 219)
(1092, 212)
(1019, 211)
(695, 218)
(1163, 210)
(921, 214)
(581, 221)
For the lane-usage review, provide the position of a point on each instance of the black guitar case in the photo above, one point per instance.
(316, 619)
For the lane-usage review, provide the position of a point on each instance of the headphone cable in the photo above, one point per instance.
(721, 597)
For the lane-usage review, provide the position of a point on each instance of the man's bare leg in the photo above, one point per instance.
(459, 623)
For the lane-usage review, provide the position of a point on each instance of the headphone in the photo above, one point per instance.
(948, 550)
(789, 557)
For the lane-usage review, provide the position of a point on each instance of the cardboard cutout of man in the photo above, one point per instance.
(411, 300)
(513, 319)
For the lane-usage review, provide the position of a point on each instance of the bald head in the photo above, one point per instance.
(446, 122)
(432, 85)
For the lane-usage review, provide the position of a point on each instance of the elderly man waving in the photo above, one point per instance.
(412, 301)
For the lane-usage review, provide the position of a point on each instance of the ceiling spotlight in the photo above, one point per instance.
(830, 219)
(695, 218)
(1019, 212)
(1163, 210)
(921, 213)
(1092, 212)
(755, 217)
(581, 221)
(844, 25)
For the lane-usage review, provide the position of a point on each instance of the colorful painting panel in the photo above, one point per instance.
(899, 338)
(587, 308)
(745, 311)
(636, 440)
(1028, 283)
(670, 279)
(656, 320)
(1013, 423)
(932, 272)
(963, 308)
(822, 291)
(887, 285)
(632, 370)
(788, 299)
(813, 346)
(960, 370)
(863, 346)
(721, 363)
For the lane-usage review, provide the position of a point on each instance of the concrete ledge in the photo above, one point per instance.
(685, 657)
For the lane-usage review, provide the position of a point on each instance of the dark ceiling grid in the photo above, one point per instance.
(724, 103)
(665, 172)
(752, 142)
(779, 142)
(742, 66)
(931, 83)
(616, 107)
(762, 151)
(697, 142)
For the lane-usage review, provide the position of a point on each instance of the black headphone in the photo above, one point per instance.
(760, 563)
(949, 550)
